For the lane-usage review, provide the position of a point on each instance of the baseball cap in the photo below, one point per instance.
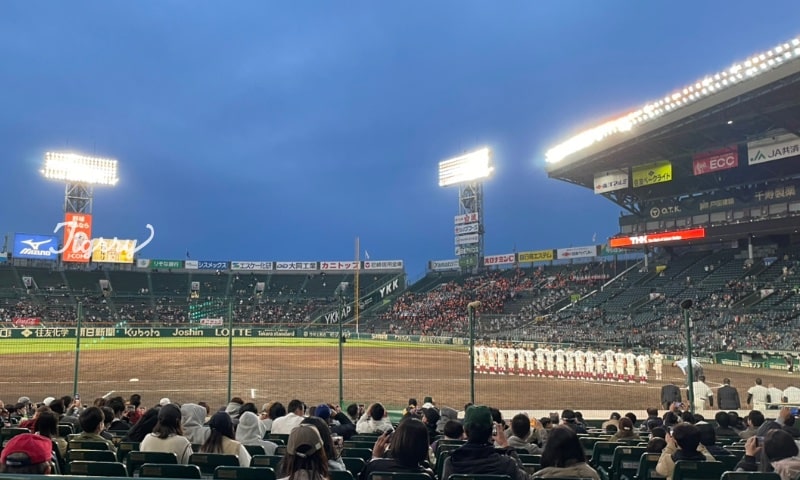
(164, 401)
(24, 400)
(323, 411)
(427, 402)
(304, 441)
(477, 415)
(47, 401)
(38, 448)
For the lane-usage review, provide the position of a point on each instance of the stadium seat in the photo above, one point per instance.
(750, 476)
(254, 450)
(359, 444)
(124, 448)
(97, 469)
(89, 456)
(466, 476)
(271, 461)
(603, 455)
(7, 433)
(624, 464)
(65, 430)
(365, 453)
(279, 436)
(138, 458)
(354, 465)
(647, 467)
(686, 470)
(529, 458)
(588, 445)
(168, 470)
(413, 476)
(342, 475)
(244, 473)
(730, 461)
(208, 462)
(87, 445)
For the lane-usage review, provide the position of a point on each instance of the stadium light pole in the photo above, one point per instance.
(341, 348)
(80, 174)
(471, 314)
(77, 350)
(686, 305)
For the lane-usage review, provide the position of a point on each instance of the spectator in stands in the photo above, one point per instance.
(612, 424)
(193, 418)
(625, 431)
(670, 395)
(251, 431)
(479, 455)
(430, 417)
(778, 453)
(134, 410)
(284, 425)
(30, 423)
(338, 421)
(120, 422)
(521, 434)
(445, 415)
(789, 426)
(563, 456)
(108, 417)
(655, 445)
(354, 412)
(754, 420)
(275, 411)
(305, 457)
(92, 423)
(144, 426)
(682, 444)
(724, 425)
(652, 420)
(222, 439)
(569, 419)
(453, 430)
(27, 454)
(727, 396)
(374, 420)
(47, 426)
(333, 452)
(408, 450)
(234, 407)
(167, 436)
(708, 439)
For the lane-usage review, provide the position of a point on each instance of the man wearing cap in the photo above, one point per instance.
(338, 421)
(27, 454)
(479, 455)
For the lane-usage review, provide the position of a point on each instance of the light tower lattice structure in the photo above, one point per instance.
(467, 172)
(80, 174)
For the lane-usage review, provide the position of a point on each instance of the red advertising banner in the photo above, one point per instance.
(26, 321)
(77, 238)
(716, 161)
(657, 238)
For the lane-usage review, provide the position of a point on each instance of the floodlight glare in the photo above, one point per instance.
(466, 168)
(73, 168)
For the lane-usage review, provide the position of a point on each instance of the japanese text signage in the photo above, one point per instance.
(77, 238)
(716, 161)
(774, 148)
(577, 252)
(467, 239)
(657, 238)
(444, 265)
(652, 173)
(296, 266)
(787, 191)
(245, 265)
(610, 181)
(334, 266)
(536, 256)
(469, 228)
(166, 263)
(466, 218)
(113, 250)
(39, 247)
(383, 265)
(505, 259)
(212, 265)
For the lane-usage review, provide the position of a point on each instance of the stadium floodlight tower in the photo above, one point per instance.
(467, 172)
(80, 174)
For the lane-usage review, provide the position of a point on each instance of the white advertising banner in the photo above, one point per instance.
(295, 266)
(467, 239)
(338, 266)
(468, 250)
(444, 265)
(577, 252)
(773, 148)
(383, 265)
(246, 265)
(504, 259)
(191, 264)
(610, 181)
(469, 228)
(142, 262)
(466, 218)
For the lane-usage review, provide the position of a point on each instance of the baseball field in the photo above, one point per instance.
(196, 369)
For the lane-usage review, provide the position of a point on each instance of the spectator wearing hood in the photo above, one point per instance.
(193, 418)
(374, 420)
(683, 444)
(251, 432)
(479, 455)
(445, 415)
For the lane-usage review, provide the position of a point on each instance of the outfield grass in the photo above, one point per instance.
(58, 345)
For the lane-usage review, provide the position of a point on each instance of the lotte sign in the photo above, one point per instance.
(716, 161)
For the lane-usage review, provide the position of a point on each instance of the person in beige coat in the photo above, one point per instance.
(682, 444)
(222, 440)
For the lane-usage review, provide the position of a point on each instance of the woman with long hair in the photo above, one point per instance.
(167, 435)
(563, 456)
(305, 457)
(333, 452)
(408, 450)
(144, 426)
(47, 426)
(222, 439)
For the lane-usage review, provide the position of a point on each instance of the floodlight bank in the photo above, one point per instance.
(74, 168)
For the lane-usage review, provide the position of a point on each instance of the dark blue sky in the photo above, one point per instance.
(261, 130)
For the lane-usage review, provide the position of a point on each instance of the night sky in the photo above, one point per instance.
(265, 130)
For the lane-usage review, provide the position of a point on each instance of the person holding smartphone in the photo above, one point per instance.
(683, 443)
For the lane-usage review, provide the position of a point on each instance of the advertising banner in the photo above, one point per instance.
(211, 322)
(383, 265)
(142, 262)
(39, 247)
(468, 228)
(113, 250)
(773, 148)
(715, 161)
(212, 265)
(536, 256)
(651, 173)
(77, 238)
(296, 266)
(466, 218)
(657, 238)
(237, 265)
(444, 265)
(467, 250)
(26, 321)
(166, 263)
(504, 259)
(610, 181)
(338, 266)
(190, 264)
(467, 239)
(577, 252)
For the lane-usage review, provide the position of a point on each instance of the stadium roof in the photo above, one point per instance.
(755, 98)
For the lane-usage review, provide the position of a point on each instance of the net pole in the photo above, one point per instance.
(77, 350)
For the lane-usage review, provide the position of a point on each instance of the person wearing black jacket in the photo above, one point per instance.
(728, 397)
(670, 393)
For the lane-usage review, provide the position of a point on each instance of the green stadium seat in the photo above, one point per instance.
(750, 476)
(603, 455)
(647, 467)
(255, 450)
(271, 461)
(354, 465)
(625, 463)
(87, 445)
(365, 453)
(409, 476)
(341, 475)
(97, 469)
(7, 433)
(244, 473)
(466, 476)
(168, 470)
(138, 458)
(124, 448)
(88, 456)
(686, 470)
(208, 462)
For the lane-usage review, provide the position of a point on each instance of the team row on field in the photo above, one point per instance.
(569, 363)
